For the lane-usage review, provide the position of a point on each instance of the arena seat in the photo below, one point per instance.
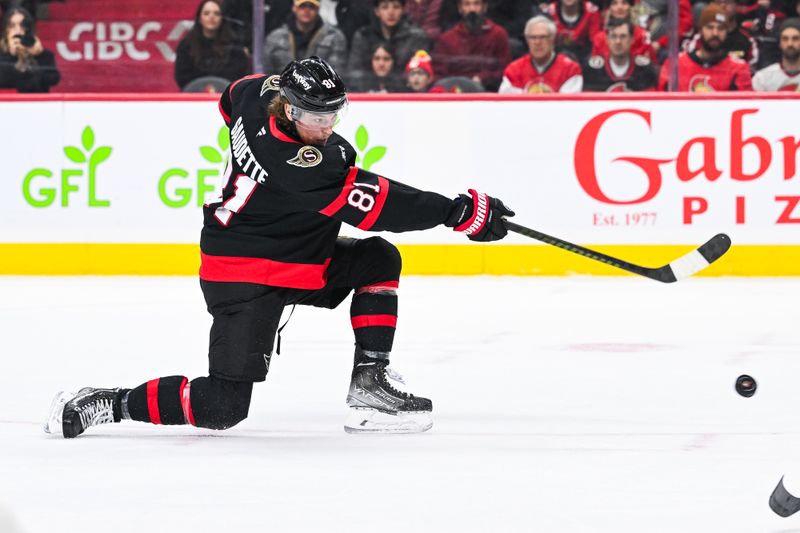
(206, 84)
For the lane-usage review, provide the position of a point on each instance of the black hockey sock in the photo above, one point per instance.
(207, 402)
(373, 314)
(159, 401)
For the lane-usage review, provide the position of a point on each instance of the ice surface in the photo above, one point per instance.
(561, 405)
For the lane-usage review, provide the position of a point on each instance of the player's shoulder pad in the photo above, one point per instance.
(641, 60)
(271, 83)
(596, 62)
(237, 88)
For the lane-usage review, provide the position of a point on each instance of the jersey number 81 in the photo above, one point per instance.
(363, 200)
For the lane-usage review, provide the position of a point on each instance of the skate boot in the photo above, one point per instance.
(72, 413)
(377, 403)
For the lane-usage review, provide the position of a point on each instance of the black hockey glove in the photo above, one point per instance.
(479, 217)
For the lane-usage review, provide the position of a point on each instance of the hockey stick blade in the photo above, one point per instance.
(681, 268)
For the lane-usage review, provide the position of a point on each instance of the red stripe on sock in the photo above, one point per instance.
(186, 401)
(382, 284)
(152, 401)
(365, 321)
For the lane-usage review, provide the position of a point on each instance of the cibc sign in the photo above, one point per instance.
(735, 150)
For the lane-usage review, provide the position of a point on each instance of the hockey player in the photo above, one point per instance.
(271, 240)
(784, 75)
(543, 70)
(619, 70)
(709, 68)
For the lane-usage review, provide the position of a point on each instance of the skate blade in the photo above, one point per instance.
(53, 424)
(361, 420)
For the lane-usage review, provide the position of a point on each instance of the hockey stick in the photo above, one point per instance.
(681, 268)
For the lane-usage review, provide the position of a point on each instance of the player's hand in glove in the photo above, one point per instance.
(479, 217)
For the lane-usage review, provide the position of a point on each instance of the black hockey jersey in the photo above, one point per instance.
(283, 201)
(598, 75)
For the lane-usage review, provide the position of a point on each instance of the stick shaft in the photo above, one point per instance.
(580, 250)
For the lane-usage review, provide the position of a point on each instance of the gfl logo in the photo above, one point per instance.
(685, 170)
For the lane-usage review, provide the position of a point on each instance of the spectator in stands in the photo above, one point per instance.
(577, 21)
(784, 75)
(419, 73)
(351, 16)
(621, 10)
(382, 76)
(542, 70)
(25, 65)
(302, 36)
(738, 43)
(31, 6)
(619, 69)
(510, 14)
(392, 26)
(709, 67)
(425, 14)
(209, 48)
(761, 21)
(475, 48)
(655, 12)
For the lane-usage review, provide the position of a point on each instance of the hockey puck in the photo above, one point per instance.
(783, 502)
(746, 385)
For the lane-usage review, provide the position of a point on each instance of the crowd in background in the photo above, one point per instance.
(508, 46)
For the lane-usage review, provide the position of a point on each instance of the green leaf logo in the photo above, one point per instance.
(210, 154)
(374, 155)
(362, 138)
(100, 155)
(74, 154)
(367, 157)
(223, 139)
(87, 139)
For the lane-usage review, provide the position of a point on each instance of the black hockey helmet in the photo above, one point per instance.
(312, 85)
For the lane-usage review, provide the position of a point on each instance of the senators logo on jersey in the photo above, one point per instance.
(306, 157)
(701, 84)
(272, 83)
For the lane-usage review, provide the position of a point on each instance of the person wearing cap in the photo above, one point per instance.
(709, 67)
(475, 48)
(303, 35)
(419, 72)
(392, 26)
(738, 42)
(784, 75)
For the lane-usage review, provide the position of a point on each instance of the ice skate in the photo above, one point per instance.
(72, 413)
(377, 405)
